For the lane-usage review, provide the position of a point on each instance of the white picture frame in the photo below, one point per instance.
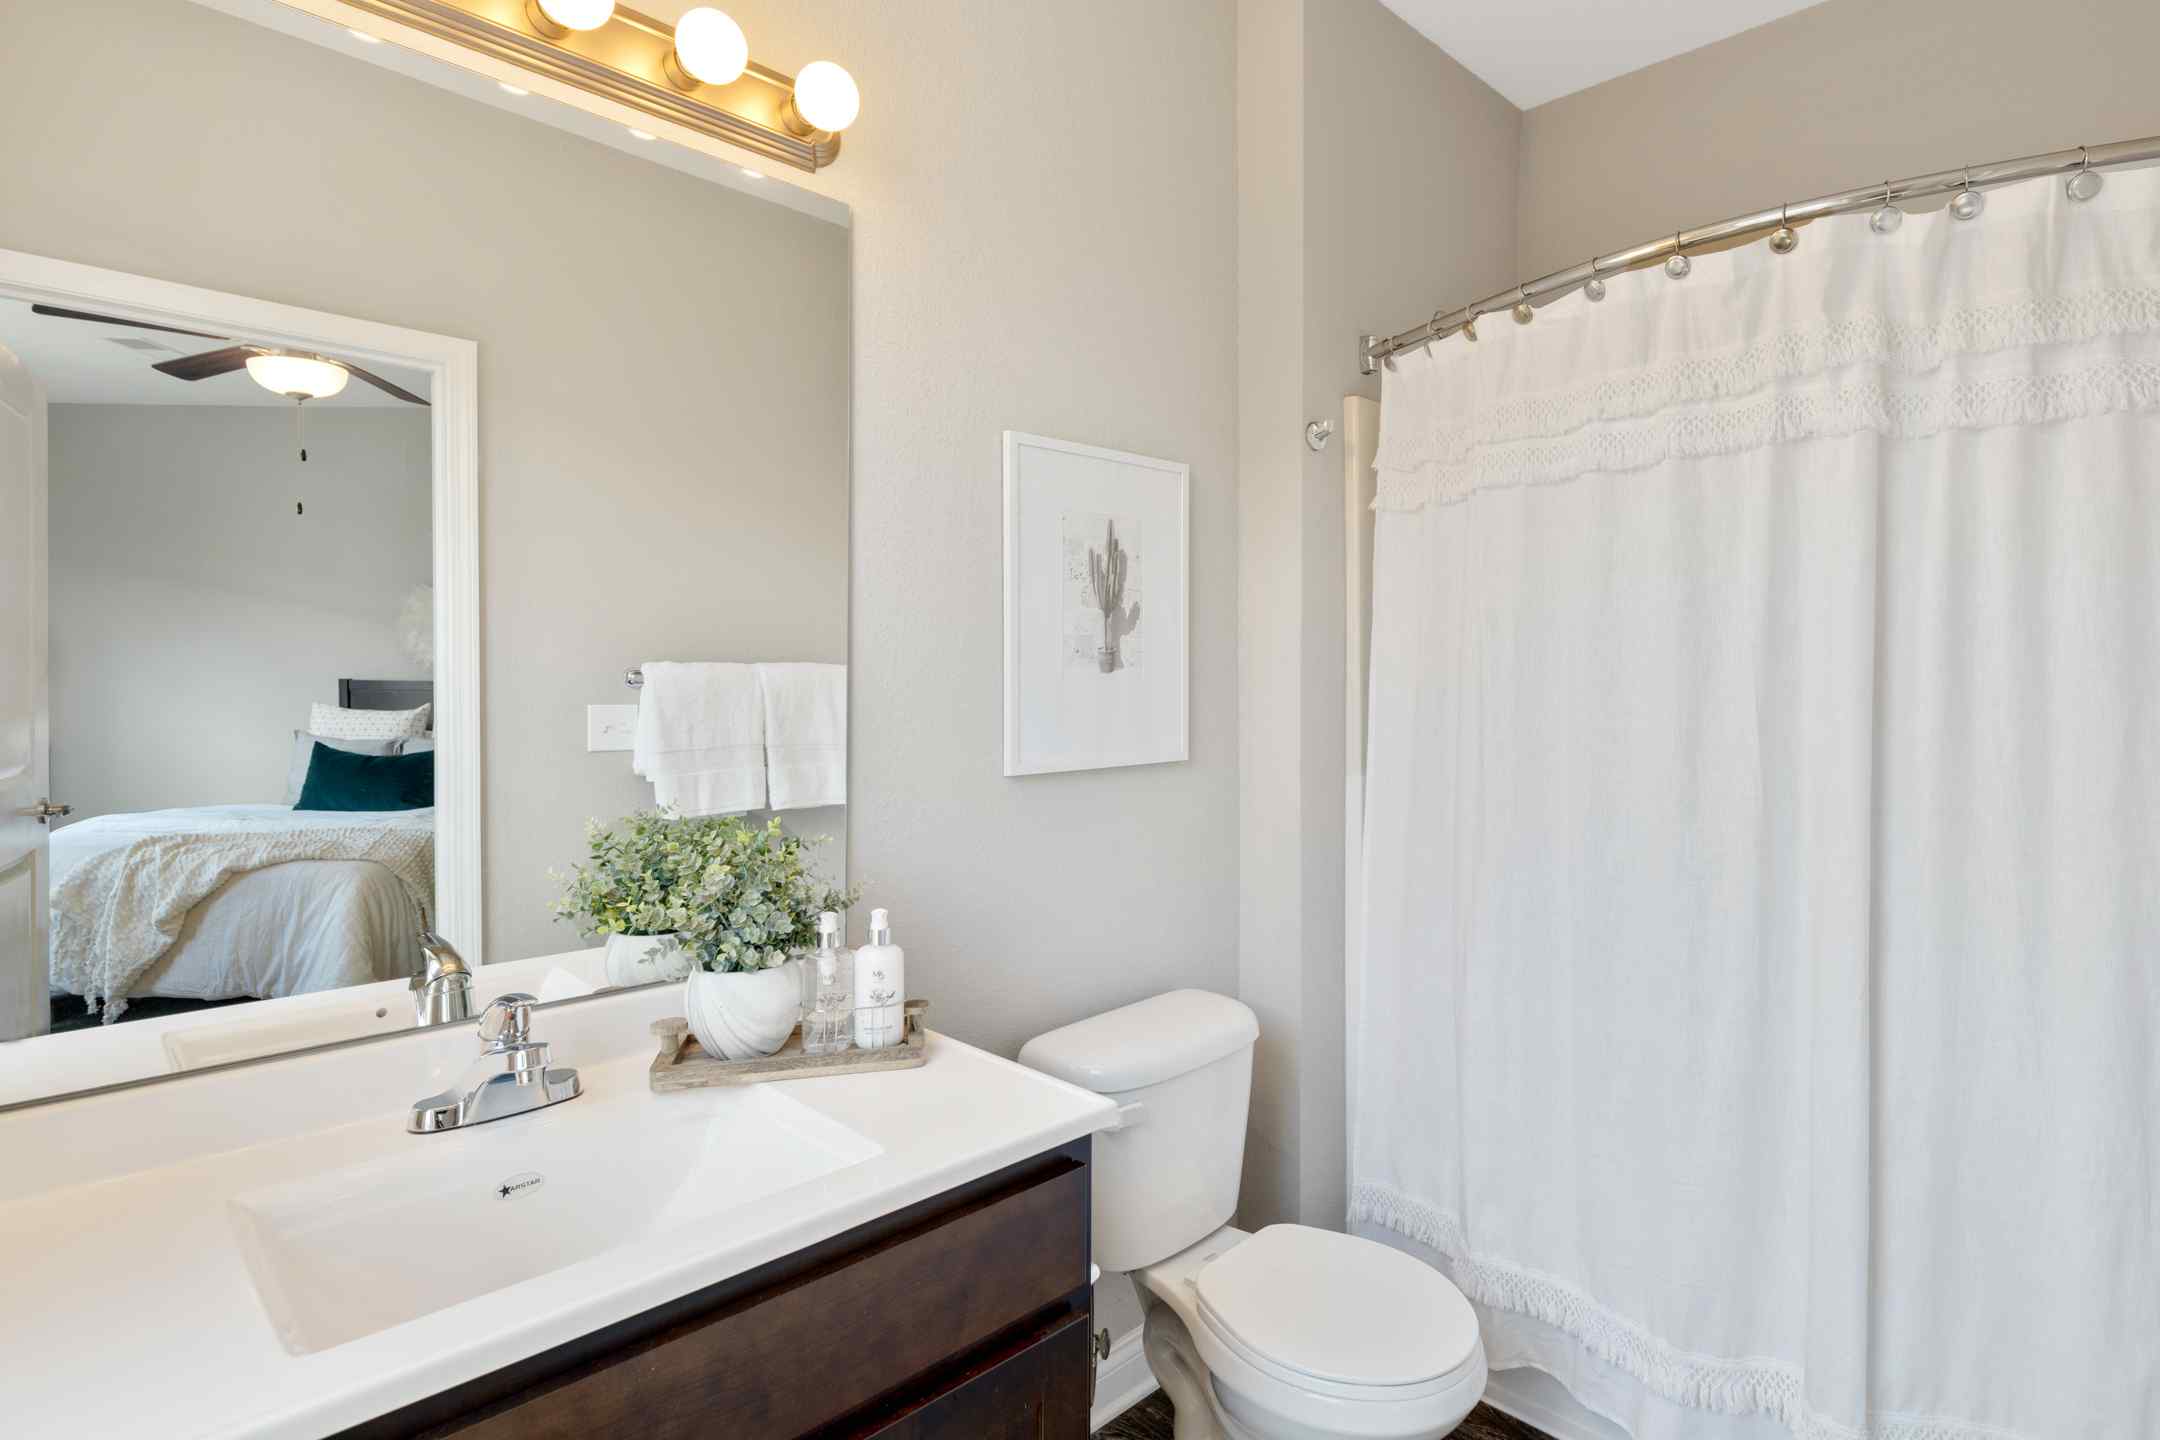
(1098, 631)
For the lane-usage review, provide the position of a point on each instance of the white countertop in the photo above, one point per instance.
(129, 1306)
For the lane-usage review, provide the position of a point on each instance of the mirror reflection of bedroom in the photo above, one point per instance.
(239, 619)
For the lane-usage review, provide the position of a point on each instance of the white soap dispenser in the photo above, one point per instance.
(880, 987)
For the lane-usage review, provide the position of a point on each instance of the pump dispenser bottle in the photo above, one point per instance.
(825, 1028)
(880, 987)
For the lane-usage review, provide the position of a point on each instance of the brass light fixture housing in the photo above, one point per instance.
(630, 61)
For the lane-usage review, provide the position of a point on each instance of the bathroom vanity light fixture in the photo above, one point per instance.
(696, 74)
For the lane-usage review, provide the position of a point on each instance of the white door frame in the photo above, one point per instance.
(453, 366)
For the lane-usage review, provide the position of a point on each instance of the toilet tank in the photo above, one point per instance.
(1182, 1062)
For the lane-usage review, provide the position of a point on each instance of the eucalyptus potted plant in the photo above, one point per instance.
(733, 903)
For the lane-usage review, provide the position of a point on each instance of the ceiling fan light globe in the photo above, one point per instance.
(298, 376)
(711, 46)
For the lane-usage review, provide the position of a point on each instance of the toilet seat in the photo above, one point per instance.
(1296, 1333)
(1338, 1315)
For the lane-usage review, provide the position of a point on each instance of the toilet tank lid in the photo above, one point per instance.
(1145, 1043)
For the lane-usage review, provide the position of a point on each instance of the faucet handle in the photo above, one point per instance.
(508, 1019)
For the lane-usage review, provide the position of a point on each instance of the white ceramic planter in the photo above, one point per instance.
(643, 959)
(743, 1014)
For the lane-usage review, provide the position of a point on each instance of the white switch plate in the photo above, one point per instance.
(610, 727)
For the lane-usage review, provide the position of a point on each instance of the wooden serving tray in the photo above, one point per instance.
(682, 1063)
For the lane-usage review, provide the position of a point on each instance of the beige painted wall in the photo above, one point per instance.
(663, 362)
(1377, 180)
(1045, 240)
(1826, 99)
(195, 615)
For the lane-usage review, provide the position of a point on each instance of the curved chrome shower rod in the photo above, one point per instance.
(1373, 350)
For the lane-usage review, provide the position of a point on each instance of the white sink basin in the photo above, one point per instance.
(455, 1216)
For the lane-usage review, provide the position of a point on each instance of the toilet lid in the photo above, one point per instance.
(1337, 1308)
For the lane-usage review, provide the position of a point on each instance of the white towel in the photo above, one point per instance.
(701, 737)
(805, 734)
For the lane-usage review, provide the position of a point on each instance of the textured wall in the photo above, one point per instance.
(1828, 99)
(1378, 179)
(194, 615)
(1045, 240)
(663, 362)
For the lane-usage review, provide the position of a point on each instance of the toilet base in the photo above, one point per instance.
(1204, 1411)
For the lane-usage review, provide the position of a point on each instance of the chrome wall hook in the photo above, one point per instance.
(1317, 434)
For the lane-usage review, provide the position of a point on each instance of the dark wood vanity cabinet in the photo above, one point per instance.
(967, 1315)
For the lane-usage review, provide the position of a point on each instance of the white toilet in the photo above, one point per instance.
(1289, 1334)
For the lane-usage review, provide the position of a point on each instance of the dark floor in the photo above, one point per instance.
(72, 1012)
(1151, 1420)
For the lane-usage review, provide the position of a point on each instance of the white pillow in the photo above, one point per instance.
(334, 723)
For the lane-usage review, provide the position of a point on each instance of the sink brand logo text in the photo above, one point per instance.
(520, 1184)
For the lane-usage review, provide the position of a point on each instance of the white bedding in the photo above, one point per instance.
(283, 930)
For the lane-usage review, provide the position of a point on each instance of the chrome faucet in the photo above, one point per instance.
(522, 1080)
(442, 986)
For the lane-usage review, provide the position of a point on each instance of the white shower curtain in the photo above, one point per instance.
(1760, 1000)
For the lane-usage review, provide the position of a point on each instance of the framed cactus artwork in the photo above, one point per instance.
(1096, 597)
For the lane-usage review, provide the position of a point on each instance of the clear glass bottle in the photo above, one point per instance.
(828, 1015)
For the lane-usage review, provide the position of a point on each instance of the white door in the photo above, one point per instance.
(25, 1006)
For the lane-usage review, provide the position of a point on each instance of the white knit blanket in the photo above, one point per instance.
(117, 912)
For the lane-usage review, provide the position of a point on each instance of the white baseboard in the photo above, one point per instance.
(1123, 1380)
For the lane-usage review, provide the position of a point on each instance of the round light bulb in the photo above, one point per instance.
(825, 95)
(297, 375)
(578, 14)
(711, 46)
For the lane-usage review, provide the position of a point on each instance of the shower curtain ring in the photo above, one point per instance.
(1678, 265)
(1594, 288)
(1469, 324)
(1968, 202)
(2087, 182)
(1522, 312)
(1887, 217)
(1783, 240)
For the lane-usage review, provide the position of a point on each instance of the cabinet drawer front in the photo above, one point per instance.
(1033, 1388)
(780, 1362)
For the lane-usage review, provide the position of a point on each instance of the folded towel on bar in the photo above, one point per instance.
(701, 737)
(805, 734)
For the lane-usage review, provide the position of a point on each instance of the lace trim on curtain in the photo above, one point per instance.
(1702, 1382)
(1729, 374)
(1871, 406)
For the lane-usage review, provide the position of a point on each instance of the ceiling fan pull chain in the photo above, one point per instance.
(300, 426)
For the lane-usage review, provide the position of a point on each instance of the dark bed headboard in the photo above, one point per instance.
(384, 694)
